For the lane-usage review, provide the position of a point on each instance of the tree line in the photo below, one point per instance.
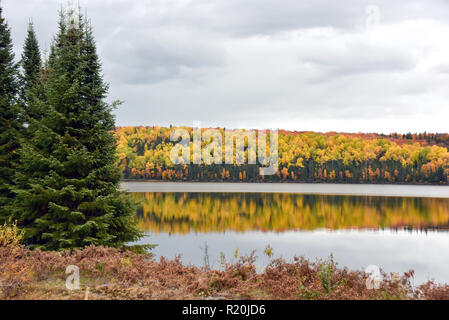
(59, 179)
(144, 153)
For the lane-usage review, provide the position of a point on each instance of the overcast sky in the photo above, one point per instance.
(322, 65)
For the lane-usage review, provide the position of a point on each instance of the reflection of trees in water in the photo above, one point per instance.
(207, 212)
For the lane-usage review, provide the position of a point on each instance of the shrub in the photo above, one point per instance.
(14, 271)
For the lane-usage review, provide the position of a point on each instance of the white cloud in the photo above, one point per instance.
(308, 65)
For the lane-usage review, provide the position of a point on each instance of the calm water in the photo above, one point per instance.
(396, 233)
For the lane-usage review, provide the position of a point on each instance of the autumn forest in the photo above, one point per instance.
(144, 153)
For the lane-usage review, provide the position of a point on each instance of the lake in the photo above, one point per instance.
(396, 227)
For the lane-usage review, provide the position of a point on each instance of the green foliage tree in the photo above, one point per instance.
(68, 181)
(33, 80)
(10, 124)
(31, 63)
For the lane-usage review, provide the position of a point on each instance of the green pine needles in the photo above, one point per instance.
(31, 63)
(66, 182)
(10, 118)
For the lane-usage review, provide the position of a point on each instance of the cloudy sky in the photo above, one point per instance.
(322, 65)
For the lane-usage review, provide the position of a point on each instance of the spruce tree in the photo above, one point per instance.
(31, 63)
(68, 184)
(33, 80)
(10, 124)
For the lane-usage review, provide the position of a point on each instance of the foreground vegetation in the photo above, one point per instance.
(111, 273)
(144, 153)
(107, 273)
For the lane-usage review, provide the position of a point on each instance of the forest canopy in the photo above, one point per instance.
(144, 153)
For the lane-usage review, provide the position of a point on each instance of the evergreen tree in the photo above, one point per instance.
(35, 105)
(33, 80)
(31, 63)
(68, 183)
(58, 40)
(10, 124)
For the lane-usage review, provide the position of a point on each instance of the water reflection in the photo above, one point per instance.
(182, 213)
(427, 253)
(358, 230)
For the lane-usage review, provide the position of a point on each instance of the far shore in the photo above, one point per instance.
(287, 182)
(392, 190)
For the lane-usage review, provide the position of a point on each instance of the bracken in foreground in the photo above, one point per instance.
(108, 273)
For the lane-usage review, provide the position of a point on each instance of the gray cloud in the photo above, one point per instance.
(163, 53)
(305, 65)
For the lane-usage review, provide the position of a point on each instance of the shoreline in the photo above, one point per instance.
(108, 273)
(286, 182)
(383, 190)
